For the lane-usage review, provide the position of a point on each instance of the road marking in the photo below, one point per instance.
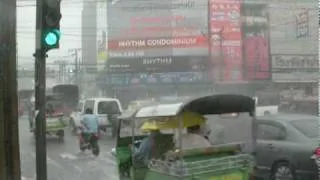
(26, 178)
(54, 163)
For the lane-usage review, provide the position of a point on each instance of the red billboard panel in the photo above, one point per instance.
(225, 24)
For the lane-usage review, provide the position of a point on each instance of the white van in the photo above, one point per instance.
(100, 107)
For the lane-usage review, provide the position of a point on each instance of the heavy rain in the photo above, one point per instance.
(150, 90)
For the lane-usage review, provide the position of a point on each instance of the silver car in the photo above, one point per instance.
(285, 145)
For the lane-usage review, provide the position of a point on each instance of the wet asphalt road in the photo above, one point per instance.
(64, 161)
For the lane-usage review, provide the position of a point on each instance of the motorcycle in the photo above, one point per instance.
(90, 142)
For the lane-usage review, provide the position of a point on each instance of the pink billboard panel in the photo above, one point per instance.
(257, 58)
(225, 24)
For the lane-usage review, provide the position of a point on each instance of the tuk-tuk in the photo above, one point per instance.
(233, 159)
(56, 118)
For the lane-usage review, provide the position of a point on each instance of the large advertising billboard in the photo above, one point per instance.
(150, 29)
(256, 41)
(225, 25)
(239, 41)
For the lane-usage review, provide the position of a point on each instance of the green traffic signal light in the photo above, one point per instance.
(52, 37)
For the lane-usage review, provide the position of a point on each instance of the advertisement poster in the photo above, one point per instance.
(256, 43)
(153, 29)
(157, 64)
(257, 58)
(226, 40)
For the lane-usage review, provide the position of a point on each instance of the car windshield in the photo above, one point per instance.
(54, 104)
(308, 127)
(108, 107)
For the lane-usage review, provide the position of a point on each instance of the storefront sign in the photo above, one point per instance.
(295, 62)
(157, 64)
(295, 68)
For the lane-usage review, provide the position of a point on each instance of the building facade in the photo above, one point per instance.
(88, 33)
(102, 30)
(294, 52)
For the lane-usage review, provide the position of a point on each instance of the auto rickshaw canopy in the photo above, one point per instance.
(207, 105)
(168, 116)
(173, 122)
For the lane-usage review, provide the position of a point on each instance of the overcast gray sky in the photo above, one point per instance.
(70, 28)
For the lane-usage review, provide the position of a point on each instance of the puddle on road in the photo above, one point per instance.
(104, 158)
(68, 156)
(25, 178)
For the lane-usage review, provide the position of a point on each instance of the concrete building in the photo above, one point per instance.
(102, 31)
(294, 46)
(89, 33)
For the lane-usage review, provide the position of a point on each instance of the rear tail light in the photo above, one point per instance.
(317, 152)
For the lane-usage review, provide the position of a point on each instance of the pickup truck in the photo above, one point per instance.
(102, 107)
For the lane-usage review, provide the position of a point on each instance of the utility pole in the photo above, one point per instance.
(76, 64)
(9, 127)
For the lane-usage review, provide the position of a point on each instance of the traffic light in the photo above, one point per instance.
(51, 24)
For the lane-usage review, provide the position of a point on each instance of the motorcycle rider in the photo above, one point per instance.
(90, 122)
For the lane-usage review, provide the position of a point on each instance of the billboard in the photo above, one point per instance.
(158, 64)
(226, 40)
(295, 68)
(149, 28)
(256, 41)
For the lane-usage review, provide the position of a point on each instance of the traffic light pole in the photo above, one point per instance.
(40, 87)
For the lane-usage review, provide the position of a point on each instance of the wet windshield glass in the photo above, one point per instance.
(108, 107)
(108, 53)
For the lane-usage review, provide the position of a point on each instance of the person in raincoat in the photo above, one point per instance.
(193, 139)
(144, 152)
